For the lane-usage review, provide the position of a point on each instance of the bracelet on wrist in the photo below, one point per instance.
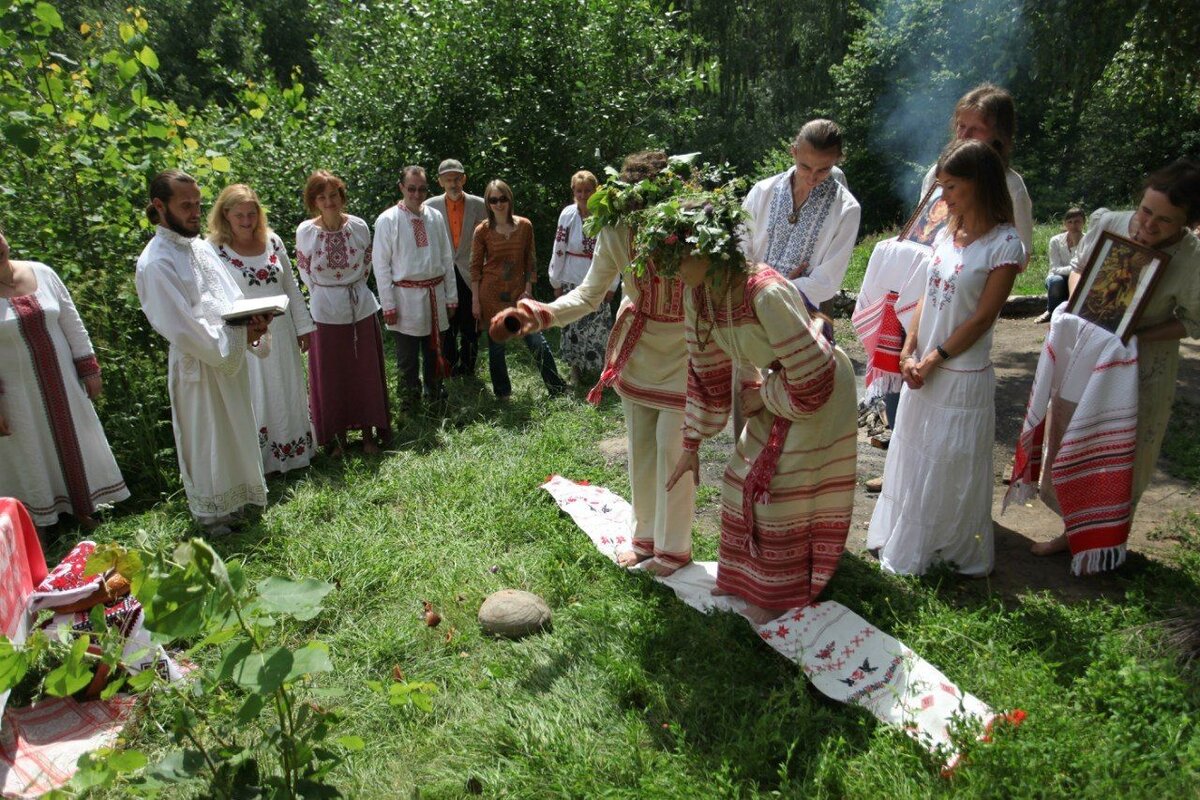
(941, 351)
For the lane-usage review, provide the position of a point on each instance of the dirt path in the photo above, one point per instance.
(1016, 347)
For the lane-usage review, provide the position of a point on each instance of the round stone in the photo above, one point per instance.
(513, 613)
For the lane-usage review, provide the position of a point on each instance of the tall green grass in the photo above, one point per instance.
(633, 694)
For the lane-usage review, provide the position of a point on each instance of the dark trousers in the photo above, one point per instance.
(460, 344)
(413, 352)
(498, 365)
(1056, 291)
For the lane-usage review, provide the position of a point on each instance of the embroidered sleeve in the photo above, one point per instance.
(69, 320)
(558, 255)
(1010, 252)
(709, 381)
(801, 380)
(87, 366)
(297, 308)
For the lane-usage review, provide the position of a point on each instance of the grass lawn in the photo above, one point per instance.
(1031, 281)
(635, 695)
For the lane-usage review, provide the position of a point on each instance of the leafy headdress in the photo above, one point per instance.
(687, 199)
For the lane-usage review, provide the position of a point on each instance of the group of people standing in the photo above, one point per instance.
(709, 325)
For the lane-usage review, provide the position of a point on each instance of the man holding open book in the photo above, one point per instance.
(187, 295)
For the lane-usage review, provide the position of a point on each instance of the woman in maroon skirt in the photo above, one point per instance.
(347, 389)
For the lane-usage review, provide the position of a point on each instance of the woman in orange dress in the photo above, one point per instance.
(503, 272)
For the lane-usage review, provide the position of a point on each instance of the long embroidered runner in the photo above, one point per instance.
(847, 658)
(1089, 378)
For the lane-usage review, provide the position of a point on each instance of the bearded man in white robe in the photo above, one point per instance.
(184, 290)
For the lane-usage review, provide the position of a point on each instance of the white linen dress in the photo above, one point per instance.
(936, 503)
(57, 459)
(277, 385)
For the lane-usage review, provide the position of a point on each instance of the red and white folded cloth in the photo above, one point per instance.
(40, 745)
(1085, 368)
(890, 290)
(847, 658)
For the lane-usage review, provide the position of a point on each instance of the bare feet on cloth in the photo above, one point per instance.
(630, 558)
(1057, 545)
(759, 615)
(658, 568)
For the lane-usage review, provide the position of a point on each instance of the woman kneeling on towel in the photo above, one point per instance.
(1168, 206)
(789, 485)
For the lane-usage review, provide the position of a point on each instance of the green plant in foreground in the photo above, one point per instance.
(241, 727)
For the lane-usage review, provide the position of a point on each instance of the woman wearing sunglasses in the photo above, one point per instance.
(503, 272)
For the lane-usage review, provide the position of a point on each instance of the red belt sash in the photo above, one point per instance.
(632, 322)
(435, 342)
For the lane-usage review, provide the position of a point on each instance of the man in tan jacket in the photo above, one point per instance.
(462, 212)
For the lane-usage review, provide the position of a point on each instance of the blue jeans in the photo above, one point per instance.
(498, 365)
(1056, 291)
(891, 402)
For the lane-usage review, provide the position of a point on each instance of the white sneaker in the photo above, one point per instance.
(1043, 319)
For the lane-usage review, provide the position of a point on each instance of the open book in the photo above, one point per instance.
(241, 311)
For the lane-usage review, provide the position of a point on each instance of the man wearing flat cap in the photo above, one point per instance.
(462, 213)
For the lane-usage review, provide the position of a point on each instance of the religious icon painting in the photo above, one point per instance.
(929, 218)
(1116, 284)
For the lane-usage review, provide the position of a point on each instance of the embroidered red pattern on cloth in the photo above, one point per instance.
(430, 285)
(659, 299)
(32, 320)
(1092, 471)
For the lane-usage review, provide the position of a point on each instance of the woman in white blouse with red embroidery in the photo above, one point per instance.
(937, 488)
(346, 384)
(258, 261)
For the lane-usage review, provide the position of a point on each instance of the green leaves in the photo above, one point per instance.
(301, 600)
(73, 674)
(48, 16)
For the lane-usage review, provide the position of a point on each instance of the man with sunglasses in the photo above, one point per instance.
(462, 212)
(414, 272)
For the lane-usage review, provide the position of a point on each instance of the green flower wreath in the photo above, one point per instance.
(695, 223)
(685, 209)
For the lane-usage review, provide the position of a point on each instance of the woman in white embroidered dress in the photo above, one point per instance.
(346, 384)
(937, 488)
(258, 261)
(54, 456)
(583, 341)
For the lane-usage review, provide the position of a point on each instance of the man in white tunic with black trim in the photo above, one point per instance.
(184, 291)
(804, 222)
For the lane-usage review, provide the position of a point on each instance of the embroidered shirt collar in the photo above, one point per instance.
(173, 237)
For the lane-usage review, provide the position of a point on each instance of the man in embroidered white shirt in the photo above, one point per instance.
(414, 272)
(804, 221)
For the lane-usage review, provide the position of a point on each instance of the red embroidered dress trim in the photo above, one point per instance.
(32, 320)
(87, 366)
(430, 285)
(659, 300)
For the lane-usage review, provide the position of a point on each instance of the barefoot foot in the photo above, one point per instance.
(88, 523)
(759, 615)
(658, 568)
(630, 558)
(1057, 545)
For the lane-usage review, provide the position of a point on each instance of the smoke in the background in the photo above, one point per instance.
(949, 47)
